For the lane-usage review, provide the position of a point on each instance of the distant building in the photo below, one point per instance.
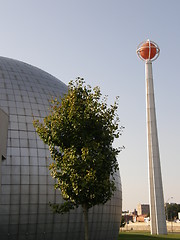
(139, 215)
(141, 218)
(142, 209)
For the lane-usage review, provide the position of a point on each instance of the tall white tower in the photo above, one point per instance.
(148, 51)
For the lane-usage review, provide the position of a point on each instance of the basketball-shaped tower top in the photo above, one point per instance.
(148, 50)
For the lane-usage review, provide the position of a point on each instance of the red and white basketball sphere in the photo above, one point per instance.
(147, 50)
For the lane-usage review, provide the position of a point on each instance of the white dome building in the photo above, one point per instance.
(26, 186)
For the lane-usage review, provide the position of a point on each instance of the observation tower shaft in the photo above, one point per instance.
(148, 51)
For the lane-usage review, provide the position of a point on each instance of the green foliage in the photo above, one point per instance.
(79, 131)
(123, 223)
(172, 210)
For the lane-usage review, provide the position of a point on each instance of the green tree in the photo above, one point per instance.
(123, 222)
(172, 210)
(80, 131)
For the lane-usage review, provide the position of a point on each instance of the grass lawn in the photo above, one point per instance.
(147, 236)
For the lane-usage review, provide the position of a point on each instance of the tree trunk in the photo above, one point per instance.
(85, 213)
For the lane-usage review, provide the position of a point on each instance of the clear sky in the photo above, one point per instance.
(97, 40)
